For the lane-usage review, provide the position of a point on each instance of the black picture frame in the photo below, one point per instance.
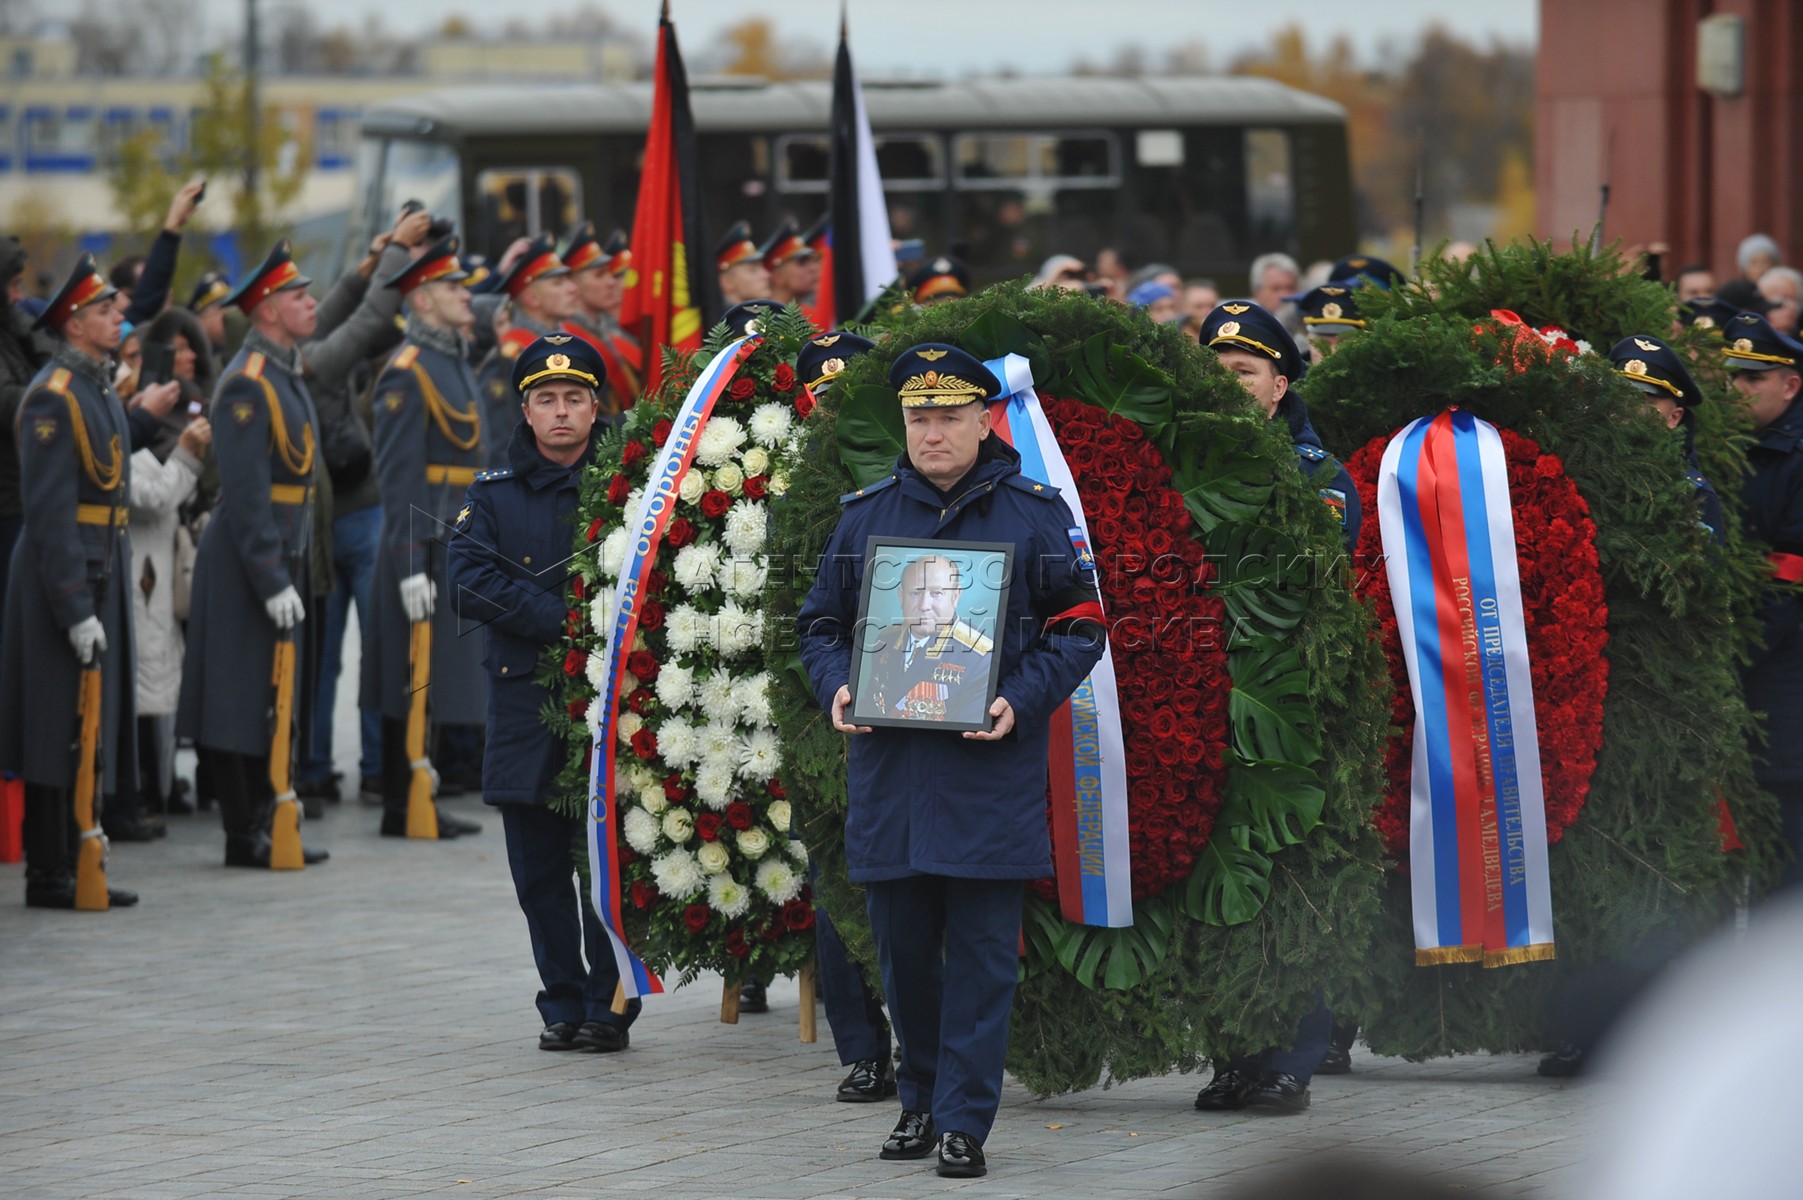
(943, 680)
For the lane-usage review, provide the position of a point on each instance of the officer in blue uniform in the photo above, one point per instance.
(1654, 368)
(430, 440)
(944, 828)
(854, 1012)
(508, 565)
(1766, 368)
(1256, 347)
(68, 597)
(252, 568)
(1329, 313)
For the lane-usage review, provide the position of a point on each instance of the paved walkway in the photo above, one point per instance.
(365, 1029)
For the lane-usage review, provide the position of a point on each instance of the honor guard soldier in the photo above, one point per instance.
(1765, 366)
(429, 443)
(944, 828)
(943, 278)
(1329, 313)
(854, 1012)
(70, 736)
(740, 262)
(509, 561)
(207, 302)
(600, 275)
(253, 565)
(1654, 368)
(541, 298)
(1256, 347)
(741, 320)
(793, 265)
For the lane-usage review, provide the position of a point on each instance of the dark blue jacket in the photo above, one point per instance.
(1335, 483)
(508, 562)
(930, 801)
(1773, 497)
(1709, 504)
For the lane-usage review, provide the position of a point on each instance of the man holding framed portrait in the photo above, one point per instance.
(953, 613)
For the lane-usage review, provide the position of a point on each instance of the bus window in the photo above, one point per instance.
(515, 202)
(907, 162)
(418, 170)
(1270, 189)
(1030, 195)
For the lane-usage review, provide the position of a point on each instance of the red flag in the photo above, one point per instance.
(664, 307)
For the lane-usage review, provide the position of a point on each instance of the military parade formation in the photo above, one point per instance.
(410, 445)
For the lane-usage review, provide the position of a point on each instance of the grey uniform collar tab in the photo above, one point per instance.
(91, 369)
(435, 337)
(285, 359)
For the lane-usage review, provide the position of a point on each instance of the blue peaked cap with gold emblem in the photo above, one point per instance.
(825, 356)
(934, 375)
(1365, 268)
(1243, 325)
(741, 320)
(1749, 343)
(1331, 309)
(558, 356)
(1710, 314)
(1654, 367)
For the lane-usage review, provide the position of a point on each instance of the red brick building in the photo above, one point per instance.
(1697, 106)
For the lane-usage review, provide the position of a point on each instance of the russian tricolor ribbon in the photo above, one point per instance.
(649, 521)
(1477, 823)
(1088, 758)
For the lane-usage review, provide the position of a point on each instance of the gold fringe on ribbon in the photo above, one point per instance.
(1540, 952)
(1440, 956)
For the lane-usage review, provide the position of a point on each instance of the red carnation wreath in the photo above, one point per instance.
(1567, 631)
(1168, 640)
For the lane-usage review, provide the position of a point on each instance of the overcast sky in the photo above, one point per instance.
(958, 37)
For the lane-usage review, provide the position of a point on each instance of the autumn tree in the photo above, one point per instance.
(147, 173)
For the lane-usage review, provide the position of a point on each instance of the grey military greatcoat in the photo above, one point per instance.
(256, 544)
(430, 440)
(72, 562)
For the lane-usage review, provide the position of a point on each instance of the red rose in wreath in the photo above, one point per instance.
(714, 503)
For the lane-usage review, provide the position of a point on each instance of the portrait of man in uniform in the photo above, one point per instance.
(929, 634)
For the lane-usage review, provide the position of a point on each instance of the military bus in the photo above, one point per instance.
(1204, 173)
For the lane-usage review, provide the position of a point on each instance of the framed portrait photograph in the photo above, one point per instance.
(929, 630)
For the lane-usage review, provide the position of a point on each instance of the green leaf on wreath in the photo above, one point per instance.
(996, 334)
(871, 433)
(1043, 931)
(1114, 378)
(1219, 472)
(1277, 803)
(1269, 709)
(1230, 883)
(1261, 577)
(1118, 959)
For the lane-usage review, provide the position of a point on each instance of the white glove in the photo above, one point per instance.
(285, 609)
(88, 639)
(418, 594)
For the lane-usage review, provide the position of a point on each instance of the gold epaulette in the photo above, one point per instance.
(59, 381)
(509, 350)
(405, 358)
(966, 635)
(253, 366)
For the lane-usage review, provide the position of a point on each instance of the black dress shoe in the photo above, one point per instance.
(752, 999)
(395, 825)
(129, 829)
(870, 1081)
(960, 1157)
(451, 827)
(57, 895)
(369, 790)
(254, 852)
(603, 1037)
(312, 808)
(913, 1137)
(1335, 1062)
(1279, 1092)
(319, 789)
(559, 1035)
(1563, 1063)
(1226, 1092)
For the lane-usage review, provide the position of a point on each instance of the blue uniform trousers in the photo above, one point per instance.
(560, 919)
(1314, 1033)
(355, 538)
(853, 1011)
(953, 1040)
